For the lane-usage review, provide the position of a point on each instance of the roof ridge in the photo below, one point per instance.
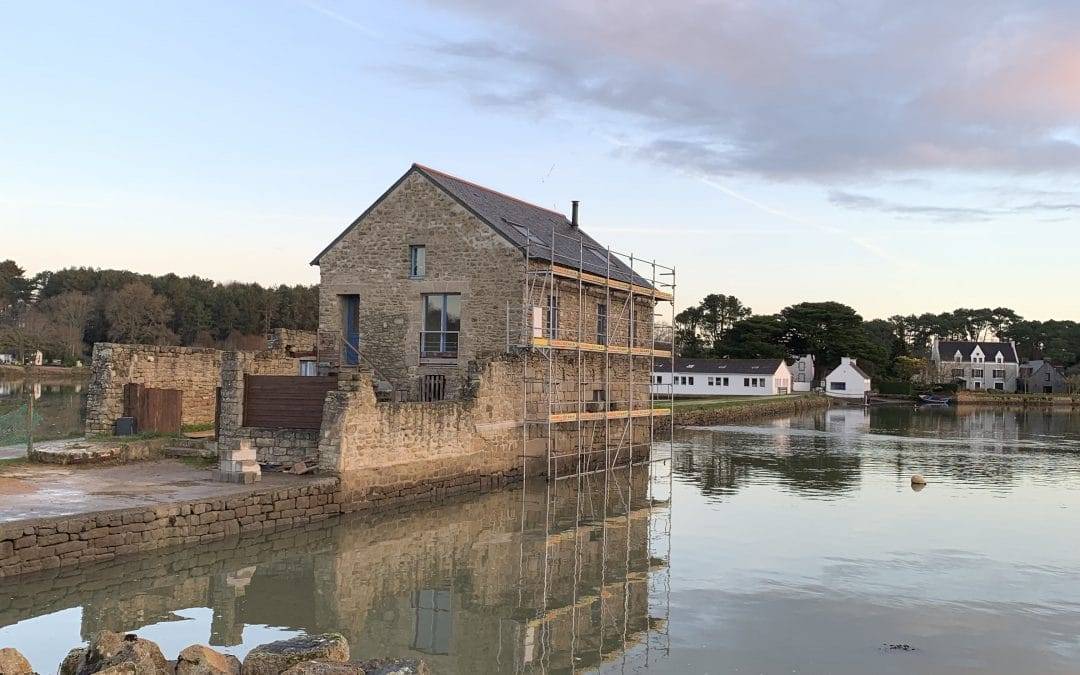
(428, 169)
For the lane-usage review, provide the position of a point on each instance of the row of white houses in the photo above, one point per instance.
(754, 377)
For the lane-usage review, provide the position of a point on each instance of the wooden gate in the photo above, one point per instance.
(285, 401)
(154, 410)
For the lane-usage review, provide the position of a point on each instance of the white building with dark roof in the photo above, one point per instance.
(722, 377)
(847, 380)
(977, 365)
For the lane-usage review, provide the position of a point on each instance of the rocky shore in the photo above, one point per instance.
(709, 414)
(116, 653)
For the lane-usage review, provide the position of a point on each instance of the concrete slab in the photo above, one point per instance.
(43, 491)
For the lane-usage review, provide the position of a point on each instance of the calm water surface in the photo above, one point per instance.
(59, 411)
(796, 545)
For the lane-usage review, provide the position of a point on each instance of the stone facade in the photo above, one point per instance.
(463, 255)
(193, 370)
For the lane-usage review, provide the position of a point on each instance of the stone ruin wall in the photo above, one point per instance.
(195, 371)
(294, 341)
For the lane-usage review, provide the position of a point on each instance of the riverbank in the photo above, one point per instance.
(689, 413)
(1016, 399)
(45, 373)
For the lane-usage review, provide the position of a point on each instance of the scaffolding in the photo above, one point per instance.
(589, 330)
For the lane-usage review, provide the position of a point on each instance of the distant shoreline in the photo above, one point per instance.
(46, 373)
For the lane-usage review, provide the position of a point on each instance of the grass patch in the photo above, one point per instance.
(202, 426)
(725, 402)
(198, 462)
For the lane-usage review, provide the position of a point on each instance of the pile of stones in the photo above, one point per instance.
(117, 653)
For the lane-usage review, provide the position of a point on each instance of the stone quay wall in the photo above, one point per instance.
(193, 370)
(35, 545)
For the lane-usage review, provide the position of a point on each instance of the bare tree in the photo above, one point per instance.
(27, 332)
(135, 314)
(69, 313)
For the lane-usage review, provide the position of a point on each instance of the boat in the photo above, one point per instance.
(931, 399)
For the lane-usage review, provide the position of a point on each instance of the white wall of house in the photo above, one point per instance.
(802, 373)
(845, 381)
(979, 371)
(689, 383)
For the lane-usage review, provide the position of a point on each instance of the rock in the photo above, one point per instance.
(299, 468)
(276, 657)
(325, 668)
(395, 667)
(201, 660)
(918, 479)
(113, 653)
(14, 663)
(70, 664)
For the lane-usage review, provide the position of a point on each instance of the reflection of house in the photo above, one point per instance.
(847, 380)
(507, 582)
(1040, 377)
(722, 377)
(7, 359)
(802, 373)
(976, 365)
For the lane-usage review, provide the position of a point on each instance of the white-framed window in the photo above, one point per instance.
(691, 380)
(725, 382)
(999, 358)
(746, 382)
(417, 261)
(977, 372)
(999, 374)
(659, 379)
(977, 384)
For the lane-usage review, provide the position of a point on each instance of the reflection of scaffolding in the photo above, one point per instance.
(589, 403)
(603, 572)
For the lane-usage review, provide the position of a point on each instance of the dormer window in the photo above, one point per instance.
(1000, 358)
(958, 357)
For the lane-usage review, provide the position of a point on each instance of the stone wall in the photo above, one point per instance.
(30, 546)
(404, 451)
(193, 370)
(463, 255)
(292, 341)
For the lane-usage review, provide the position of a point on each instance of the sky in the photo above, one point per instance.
(900, 157)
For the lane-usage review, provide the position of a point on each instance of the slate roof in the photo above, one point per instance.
(519, 222)
(947, 350)
(858, 370)
(722, 366)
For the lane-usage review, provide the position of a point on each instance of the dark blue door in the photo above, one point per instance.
(351, 308)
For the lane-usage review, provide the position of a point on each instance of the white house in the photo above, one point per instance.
(977, 365)
(802, 373)
(722, 377)
(847, 380)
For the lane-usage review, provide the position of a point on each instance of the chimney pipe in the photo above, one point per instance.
(573, 213)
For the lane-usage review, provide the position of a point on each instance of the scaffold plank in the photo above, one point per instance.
(609, 414)
(570, 273)
(598, 348)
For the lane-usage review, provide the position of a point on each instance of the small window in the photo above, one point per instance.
(746, 382)
(553, 316)
(659, 379)
(691, 380)
(976, 372)
(710, 382)
(838, 386)
(725, 382)
(309, 368)
(417, 262)
(1000, 374)
(601, 324)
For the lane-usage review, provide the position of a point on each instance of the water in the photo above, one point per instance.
(59, 411)
(796, 545)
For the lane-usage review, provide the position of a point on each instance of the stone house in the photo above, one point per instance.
(1040, 377)
(439, 275)
(976, 365)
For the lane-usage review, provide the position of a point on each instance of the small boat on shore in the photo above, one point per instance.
(932, 399)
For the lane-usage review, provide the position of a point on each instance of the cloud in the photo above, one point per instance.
(946, 213)
(788, 90)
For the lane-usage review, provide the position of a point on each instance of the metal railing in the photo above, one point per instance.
(439, 344)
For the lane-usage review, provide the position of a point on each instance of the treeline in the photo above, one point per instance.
(720, 326)
(64, 313)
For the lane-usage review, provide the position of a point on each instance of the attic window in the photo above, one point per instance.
(999, 358)
(526, 233)
(958, 357)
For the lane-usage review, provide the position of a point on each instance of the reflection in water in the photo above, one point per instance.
(799, 545)
(59, 409)
(561, 577)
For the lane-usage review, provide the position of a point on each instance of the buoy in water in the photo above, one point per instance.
(918, 479)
